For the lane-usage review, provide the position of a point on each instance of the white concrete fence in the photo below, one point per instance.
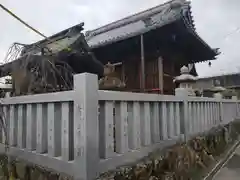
(88, 131)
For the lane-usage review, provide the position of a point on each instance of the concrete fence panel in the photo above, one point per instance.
(87, 131)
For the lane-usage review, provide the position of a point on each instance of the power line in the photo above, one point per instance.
(232, 33)
(23, 22)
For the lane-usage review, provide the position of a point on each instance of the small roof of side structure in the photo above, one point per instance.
(144, 22)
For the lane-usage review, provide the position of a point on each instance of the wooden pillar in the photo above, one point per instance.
(142, 80)
(160, 73)
(123, 72)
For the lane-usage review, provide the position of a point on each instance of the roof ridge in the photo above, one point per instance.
(131, 18)
(219, 75)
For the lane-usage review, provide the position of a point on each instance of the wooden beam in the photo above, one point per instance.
(161, 74)
(142, 80)
(117, 64)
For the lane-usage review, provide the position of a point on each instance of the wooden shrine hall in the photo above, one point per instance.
(151, 46)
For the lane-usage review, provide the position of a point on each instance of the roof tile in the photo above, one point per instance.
(134, 25)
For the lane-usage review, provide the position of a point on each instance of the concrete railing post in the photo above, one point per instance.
(234, 98)
(184, 120)
(219, 97)
(86, 154)
(218, 94)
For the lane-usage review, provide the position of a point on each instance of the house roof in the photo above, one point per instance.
(141, 23)
(218, 75)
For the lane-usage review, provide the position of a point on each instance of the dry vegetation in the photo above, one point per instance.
(185, 161)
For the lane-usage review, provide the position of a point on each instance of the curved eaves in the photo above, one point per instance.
(189, 23)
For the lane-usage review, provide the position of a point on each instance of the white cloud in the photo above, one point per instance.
(214, 20)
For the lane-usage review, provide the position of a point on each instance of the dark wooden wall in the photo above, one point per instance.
(130, 72)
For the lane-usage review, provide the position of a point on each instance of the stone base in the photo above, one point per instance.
(217, 95)
(184, 92)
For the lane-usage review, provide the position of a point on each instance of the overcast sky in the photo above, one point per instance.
(217, 22)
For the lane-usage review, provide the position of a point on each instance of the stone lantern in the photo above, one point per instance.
(218, 89)
(186, 83)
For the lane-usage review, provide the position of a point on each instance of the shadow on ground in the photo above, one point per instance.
(234, 162)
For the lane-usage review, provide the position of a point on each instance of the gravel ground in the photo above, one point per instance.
(231, 170)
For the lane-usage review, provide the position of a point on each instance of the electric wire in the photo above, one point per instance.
(15, 50)
(20, 20)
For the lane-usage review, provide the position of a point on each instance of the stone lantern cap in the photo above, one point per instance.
(218, 89)
(185, 76)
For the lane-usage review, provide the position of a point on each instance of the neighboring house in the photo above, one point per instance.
(150, 47)
(5, 89)
(229, 81)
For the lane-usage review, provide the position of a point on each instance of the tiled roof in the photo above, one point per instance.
(140, 23)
